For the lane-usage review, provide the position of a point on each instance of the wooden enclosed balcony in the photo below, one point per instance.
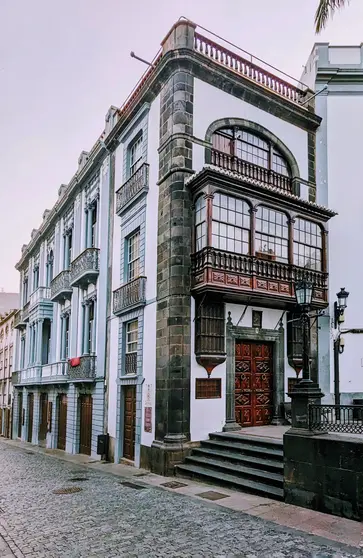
(238, 277)
(85, 268)
(60, 287)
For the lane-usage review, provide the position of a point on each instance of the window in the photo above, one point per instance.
(133, 256)
(66, 337)
(46, 342)
(307, 244)
(231, 224)
(22, 352)
(36, 277)
(132, 331)
(251, 148)
(68, 249)
(25, 291)
(272, 235)
(50, 261)
(94, 225)
(200, 224)
(91, 326)
(10, 360)
(135, 155)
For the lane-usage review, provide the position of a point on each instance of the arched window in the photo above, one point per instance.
(272, 235)
(50, 263)
(245, 146)
(200, 223)
(308, 245)
(230, 224)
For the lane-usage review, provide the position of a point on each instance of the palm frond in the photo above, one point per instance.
(325, 9)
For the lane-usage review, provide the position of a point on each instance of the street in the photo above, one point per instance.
(105, 518)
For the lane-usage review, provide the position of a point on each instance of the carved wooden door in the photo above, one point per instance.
(85, 435)
(253, 383)
(62, 422)
(129, 422)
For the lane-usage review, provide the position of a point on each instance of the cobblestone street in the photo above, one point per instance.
(108, 519)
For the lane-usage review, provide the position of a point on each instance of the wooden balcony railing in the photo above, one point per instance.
(130, 295)
(248, 69)
(135, 185)
(214, 269)
(250, 170)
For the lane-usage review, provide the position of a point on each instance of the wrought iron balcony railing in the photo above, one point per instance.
(19, 322)
(85, 370)
(85, 268)
(250, 170)
(60, 287)
(214, 269)
(137, 184)
(336, 418)
(129, 296)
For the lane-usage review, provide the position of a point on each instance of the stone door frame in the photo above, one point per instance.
(276, 337)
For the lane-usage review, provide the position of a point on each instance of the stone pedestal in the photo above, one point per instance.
(304, 393)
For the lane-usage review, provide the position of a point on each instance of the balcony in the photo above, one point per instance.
(15, 378)
(129, 296)
(60, 287)
(25, 312)
(39, 296)
(237, 277)
(31, 376)
(132, 189)
(19, 322)
(254, 172)
(57, 371)
(85, 268)
(84, 371)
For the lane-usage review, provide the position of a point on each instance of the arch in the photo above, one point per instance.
(253, 127)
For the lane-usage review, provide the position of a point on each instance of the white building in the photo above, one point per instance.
(7, 341)
(336, 72)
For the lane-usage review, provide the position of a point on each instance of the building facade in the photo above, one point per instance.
(217, 217)
(59, 369)
(336, 73)
(7, 346)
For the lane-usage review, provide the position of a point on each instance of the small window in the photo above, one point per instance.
(208, 388)
(257, 319)
(135, 155)
(94, 226)
(50, 262)
(91, 326)
(133, 256)
(132, 333)
(36, 277)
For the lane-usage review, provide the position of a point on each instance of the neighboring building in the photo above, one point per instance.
(7, 341)
(216, 219)
(8, 301)
(336, 72)
(59, 367)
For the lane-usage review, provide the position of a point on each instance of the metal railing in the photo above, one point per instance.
(85, 265)
(347, 419)
(137, 183)
(85, 370)
(61, 285)
(131, 294)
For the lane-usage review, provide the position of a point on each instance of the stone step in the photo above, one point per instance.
(233, 445)
(249, 438)
(239, 471)
(219, 478)
(263, 463)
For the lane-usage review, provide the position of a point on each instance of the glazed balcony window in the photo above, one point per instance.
(308, 245)
(272, 235)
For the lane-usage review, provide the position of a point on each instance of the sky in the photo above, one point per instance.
(64, 62)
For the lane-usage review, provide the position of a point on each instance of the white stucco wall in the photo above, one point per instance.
(345, 193)
(211, 103)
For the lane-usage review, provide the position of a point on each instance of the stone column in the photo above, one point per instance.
(24, 428)
(231, 423)
(173, 345)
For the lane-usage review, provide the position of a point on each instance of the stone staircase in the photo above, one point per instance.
(244, 462)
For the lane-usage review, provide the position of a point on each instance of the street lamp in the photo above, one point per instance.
(340, 306)
(304, 295)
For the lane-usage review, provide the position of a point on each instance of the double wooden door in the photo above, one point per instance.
(20, 413)
(85, 434)
(62, 422)
(253, 383)
(43, 412)
(30, 416)
(129, 422)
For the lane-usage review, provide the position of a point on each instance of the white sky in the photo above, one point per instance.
(64, 62)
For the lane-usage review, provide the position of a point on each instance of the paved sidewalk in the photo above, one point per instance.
(329, 527)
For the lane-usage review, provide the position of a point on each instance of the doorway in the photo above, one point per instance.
(20, 413)
(30, 416)
(43, 412)
(62, 421)
(85, 434)
(129, 422)
(253, 383)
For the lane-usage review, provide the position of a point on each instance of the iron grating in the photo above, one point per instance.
(212, 495)
(133, 485)
(69, 490)
(174, 484)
